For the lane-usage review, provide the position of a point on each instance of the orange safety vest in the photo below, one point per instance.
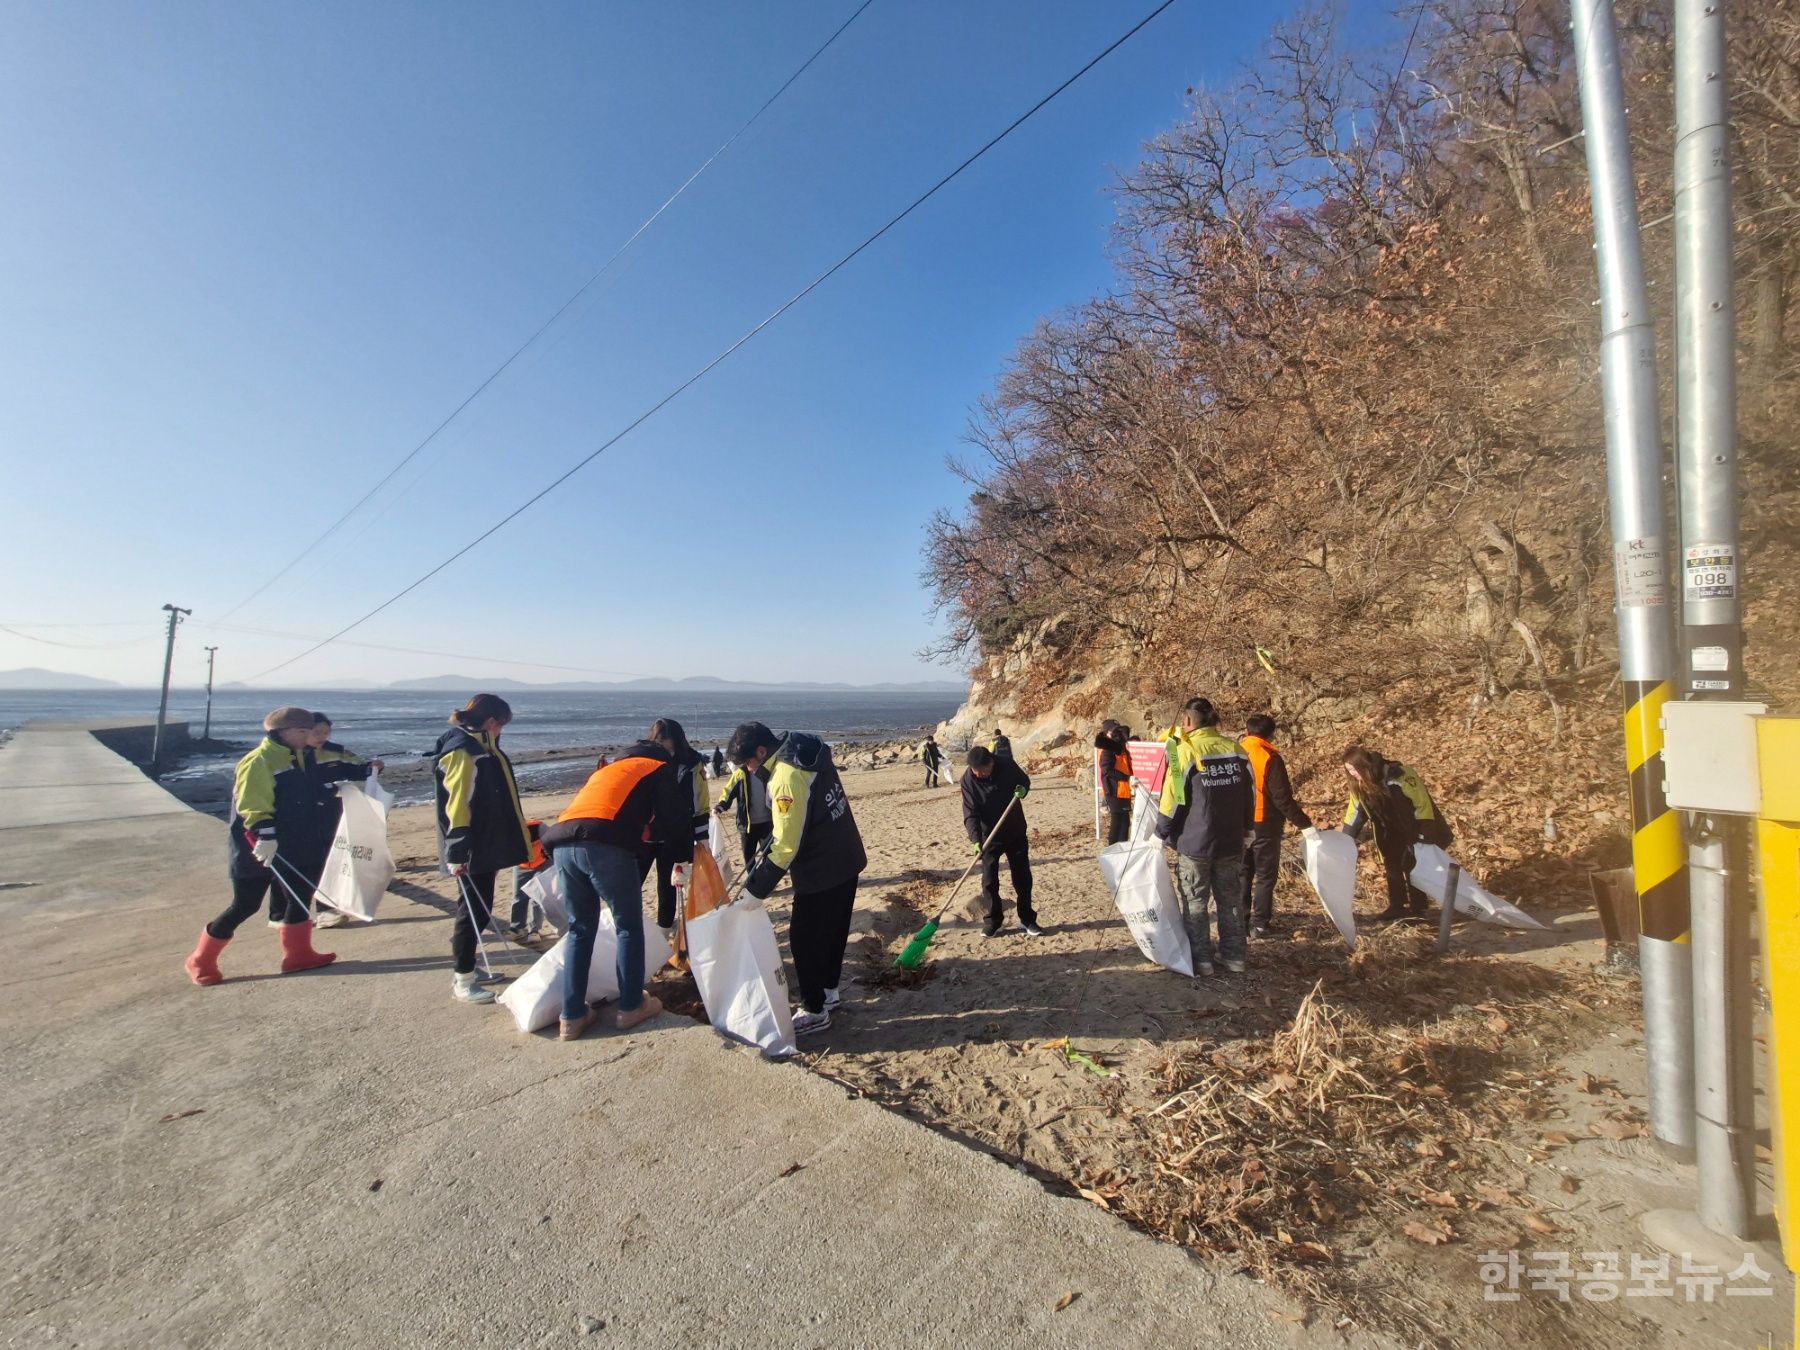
(606, 789)
(1122, 764)
(1259, 752)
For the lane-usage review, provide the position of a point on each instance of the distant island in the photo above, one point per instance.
(34, 677)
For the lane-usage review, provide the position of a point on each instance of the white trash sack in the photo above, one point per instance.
(1137, 874)
(1431, 874)
(737, 966)
(535, 998)
(360, 866)
(715, 840)
(545, 889)
(1330, 860)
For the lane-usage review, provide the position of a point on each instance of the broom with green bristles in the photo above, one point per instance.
(914, 952)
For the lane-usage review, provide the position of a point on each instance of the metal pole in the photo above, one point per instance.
(1447, 914)
(1711, 633)
(206, 735)
(162, 709)
(1640, 569)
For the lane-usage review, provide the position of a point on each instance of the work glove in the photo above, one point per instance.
(264, 851)
(678, 876)
(1019, 793)
(976, 845)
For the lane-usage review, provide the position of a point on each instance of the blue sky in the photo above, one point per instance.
(256, 251)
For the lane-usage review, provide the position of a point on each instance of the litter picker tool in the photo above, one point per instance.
(914, 952)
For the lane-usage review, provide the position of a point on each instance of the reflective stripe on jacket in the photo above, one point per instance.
(815, 835)
(1206, 798)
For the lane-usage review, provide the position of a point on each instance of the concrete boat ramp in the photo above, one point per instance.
(347, 1158)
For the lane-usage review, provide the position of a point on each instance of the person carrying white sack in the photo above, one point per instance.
(328, 764)
(594, 847)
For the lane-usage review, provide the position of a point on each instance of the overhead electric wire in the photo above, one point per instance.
(77, 646)
(545, 327)
(706, 369)
(414, 651)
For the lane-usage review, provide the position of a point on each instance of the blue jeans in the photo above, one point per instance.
(1203, 883)
(591, 873)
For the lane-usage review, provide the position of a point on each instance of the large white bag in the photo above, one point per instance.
(1138, 876)
(715, 840)
(737, 966)
(360, 866)
(1330, 860)
(535, 998)
(545, 887)
(1431, 874)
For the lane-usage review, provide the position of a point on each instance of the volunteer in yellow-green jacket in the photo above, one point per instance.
(817, 842)
(280, 837)
(1206, 809)
(481, 827)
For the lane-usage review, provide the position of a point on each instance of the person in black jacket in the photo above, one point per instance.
(1115, 780)
(991, 785)
(481, 826)
(1275, 807)
(816, 842)
(932, 758)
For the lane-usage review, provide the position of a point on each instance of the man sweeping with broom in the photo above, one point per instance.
(993, 802)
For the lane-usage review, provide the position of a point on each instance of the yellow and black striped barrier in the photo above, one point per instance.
(1658, 861)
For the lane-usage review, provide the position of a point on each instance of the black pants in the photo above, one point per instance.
(1262, 864)
(818, 929)
(1397, 865)
(474, 890)
(288, 892)
(1018, 863)
(931, 775)
(1118, 820)
(750, 840)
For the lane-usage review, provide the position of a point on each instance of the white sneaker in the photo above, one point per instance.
(1203, 967)
(464, 990)
(1235, 967)
(806, 1023)
(487, 976)
(832, 998)
(331, 918)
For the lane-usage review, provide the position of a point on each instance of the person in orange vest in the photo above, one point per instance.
(597, 843)
(1275, 807)
(1115, 780)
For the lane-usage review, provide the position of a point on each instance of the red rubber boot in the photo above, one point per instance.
(203, 965)
(297, 950)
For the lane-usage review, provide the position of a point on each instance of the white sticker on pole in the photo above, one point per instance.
(1709, 572)
(1710, 658)
(1638, 568)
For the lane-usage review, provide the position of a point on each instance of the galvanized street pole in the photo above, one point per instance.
(1711, 632)
(162, 709)
(211, 652)
(1640, 568)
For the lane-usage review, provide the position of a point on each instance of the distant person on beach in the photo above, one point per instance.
(481, 827)
(280, 837)
(596, 844)
(933, 757)
(1205, 813)
(1274, 808)
(690, 767)
(1000, 747)
(993, 788)
(330, 764)
(1115, 780)
(1394, 799)
(755, 820)
(718, 763)
(815, 839)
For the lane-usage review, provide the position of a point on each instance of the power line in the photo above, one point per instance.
(545, 327)
(77, 646)
(706, 369)
(415, 651)
(1387, 105)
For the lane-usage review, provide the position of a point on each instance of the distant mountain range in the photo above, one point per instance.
(468, 684)
(34, 677)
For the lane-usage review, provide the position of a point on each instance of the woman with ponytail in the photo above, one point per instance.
(481, 826)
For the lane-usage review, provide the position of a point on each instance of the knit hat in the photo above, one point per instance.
(288, 719)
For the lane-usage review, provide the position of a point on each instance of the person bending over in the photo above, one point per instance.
(993, 802)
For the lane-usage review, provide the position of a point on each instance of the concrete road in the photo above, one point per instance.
(347, 1158)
